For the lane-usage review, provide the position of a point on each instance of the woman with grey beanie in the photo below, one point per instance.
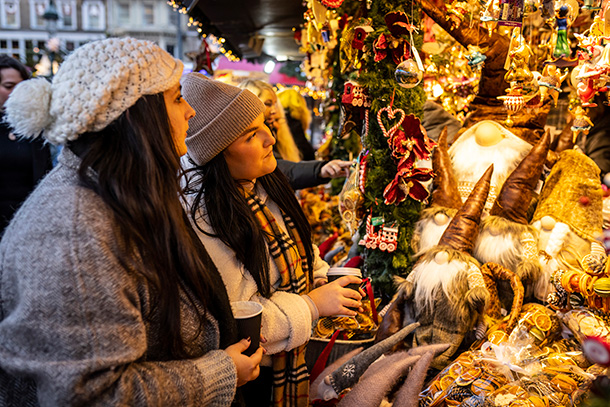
(250, 222)
(107, 296)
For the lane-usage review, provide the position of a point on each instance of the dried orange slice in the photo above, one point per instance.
(497, 337)
(543, 322)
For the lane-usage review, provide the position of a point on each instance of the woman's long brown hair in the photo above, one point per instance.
(135, 171)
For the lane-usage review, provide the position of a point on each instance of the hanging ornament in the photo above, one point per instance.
(410, 72)
(581, 125)
(408, 75)
(332, 3)
(388, 241)
(511, 13)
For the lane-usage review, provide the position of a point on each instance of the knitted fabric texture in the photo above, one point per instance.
(92, 88)
(223, 113)
(572, 194)
(350, 372)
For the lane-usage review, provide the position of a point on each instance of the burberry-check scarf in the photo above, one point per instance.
(290, 376)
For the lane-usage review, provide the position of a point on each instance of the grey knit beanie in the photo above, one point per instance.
(92, 88)
(223, 113)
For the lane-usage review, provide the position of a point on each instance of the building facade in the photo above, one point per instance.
(24, 32)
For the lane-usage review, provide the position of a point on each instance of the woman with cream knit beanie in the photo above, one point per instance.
(107, 295)
(249, 220)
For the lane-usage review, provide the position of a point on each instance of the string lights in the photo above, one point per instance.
(206, 30)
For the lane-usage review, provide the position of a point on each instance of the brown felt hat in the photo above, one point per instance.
(464, 227)
(445, 191)
(516, 193)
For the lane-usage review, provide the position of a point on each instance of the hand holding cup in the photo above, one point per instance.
(340, 296)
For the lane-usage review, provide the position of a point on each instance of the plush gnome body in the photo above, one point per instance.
(444, 201)
(569, 218)
(445, 292)
(482, 145)
(505, 237)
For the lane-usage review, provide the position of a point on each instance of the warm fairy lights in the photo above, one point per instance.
(303, 90)
(219, 42)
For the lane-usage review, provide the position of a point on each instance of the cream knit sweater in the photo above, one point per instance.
(287, 319)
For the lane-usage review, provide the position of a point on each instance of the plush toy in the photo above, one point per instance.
(445, 292)
(569, 218)
(483, 144)
(444, 201)
(506, 238)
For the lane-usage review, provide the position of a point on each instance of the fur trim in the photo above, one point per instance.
(477, 298)
(499, 242)
(557, 239)
(505, 156)
(427, 232)
(431, 277)
(408, 395)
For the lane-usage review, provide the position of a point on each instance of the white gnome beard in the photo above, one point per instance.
(504, 249)
(470, 160)
(429, 233)
(431, 276)
(557, 238)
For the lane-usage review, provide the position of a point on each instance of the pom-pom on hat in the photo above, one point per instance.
(92, 88)
(223, 113)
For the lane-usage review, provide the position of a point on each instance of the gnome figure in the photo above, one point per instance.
(445, 292)
(505, 237)
(444, 202)
(569, 219)
(482, 145)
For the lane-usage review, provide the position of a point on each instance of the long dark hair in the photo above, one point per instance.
(136, 172)
(216, 192)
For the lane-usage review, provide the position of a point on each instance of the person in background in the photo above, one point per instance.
(301, 174)
(275, 119)
(250, 221)
(108, 297)
(22, 162)
(298, 118)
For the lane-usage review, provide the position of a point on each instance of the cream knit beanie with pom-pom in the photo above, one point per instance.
(92, 88)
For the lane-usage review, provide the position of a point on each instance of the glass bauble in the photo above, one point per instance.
(408, 75)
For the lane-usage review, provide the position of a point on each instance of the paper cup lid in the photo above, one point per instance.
(246, 309)
(344, 271)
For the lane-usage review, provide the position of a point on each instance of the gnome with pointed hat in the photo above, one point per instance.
(481, 145)
(444, 201)
(505, 237)
(569, 219)
(445, 292)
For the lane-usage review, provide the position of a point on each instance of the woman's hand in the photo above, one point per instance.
(335, 169)
(247, 366)
(334, 298)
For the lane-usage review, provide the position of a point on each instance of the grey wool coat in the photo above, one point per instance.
(73, 329)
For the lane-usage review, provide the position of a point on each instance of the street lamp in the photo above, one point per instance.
(50, 17)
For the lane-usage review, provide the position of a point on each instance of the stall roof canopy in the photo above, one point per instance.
(254, 26)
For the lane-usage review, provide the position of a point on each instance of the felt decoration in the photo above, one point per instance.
(464, 227)
(444, 185)
(378, 379)
(349, 373)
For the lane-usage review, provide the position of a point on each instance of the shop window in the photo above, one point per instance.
(37, 8)
(10, 14)
(149, 14)
(123, 14)
(67, 14)
(93, 15)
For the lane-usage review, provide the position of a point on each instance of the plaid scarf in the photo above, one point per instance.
(290, 376)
